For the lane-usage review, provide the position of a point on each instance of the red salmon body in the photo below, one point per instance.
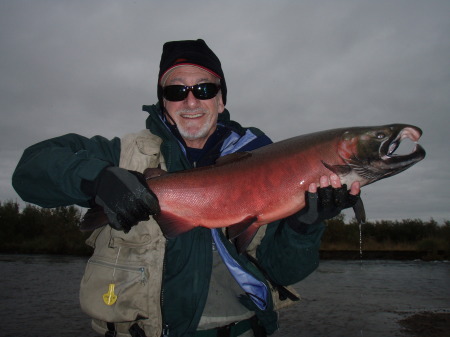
(244, 191)
(254, 188)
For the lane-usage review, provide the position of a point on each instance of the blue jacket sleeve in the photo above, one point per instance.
(50, 173)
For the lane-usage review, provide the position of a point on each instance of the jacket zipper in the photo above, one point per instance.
(140, 270)
(165, 326)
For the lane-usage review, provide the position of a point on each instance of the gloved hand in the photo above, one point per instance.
(324, 204)
(125, 197)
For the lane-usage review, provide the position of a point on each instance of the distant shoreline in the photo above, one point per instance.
(324, 255)
(382, 255)
(36, 230)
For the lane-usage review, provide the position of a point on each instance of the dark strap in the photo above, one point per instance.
(283, 292)
(136, 331)
(111, 330)
(224, 331)
(258, 329)
(233, 329)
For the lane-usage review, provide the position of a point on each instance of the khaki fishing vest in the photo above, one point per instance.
(132, 263)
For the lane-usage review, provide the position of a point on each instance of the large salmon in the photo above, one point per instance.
(244, 191)
(267, 184)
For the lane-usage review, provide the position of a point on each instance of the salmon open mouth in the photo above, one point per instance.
(388, 162)
(391, 160)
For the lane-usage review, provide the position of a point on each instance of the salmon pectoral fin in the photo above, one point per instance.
(341, 170)
(242, 241)
(360, 212)
(172, 225)
(94, 218)
(237, 229)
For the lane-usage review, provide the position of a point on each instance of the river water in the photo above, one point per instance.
(39, 297)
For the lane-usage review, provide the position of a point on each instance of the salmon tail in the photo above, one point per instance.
(94, 218)
(242, 241)
(360, 212)
(237, 229)
(172, 225)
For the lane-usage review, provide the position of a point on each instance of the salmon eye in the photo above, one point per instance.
(380, 135)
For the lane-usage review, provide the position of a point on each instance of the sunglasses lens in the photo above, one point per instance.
(205, 90)
(176, 93)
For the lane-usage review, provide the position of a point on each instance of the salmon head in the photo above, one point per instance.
(369, 153)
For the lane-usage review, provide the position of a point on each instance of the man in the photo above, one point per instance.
(137, 283)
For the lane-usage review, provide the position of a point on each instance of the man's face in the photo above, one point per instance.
(196, 119)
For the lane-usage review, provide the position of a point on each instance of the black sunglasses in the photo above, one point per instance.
(176, 93)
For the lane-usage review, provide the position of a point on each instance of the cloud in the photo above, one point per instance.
(292, 67)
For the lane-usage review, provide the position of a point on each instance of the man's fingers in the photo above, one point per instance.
(355, 189)
(312, 188)
(335, 181)
(332, 180)
(324, 181)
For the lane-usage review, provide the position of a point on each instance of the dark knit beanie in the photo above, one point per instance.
(190, 52)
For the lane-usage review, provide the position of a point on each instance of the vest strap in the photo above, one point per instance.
(111, 330)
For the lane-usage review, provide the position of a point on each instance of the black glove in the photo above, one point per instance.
(325, 204)
(124, 196)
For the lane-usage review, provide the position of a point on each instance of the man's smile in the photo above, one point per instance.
(191, 116)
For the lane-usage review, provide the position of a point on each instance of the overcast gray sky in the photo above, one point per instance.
(292, 67)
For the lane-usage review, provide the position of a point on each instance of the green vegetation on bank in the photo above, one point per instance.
(421, 239)
(56, 231)
(36, 230)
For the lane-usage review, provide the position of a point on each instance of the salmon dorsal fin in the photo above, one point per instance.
(233, 157)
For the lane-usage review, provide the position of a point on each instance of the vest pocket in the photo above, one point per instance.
(114, 292)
